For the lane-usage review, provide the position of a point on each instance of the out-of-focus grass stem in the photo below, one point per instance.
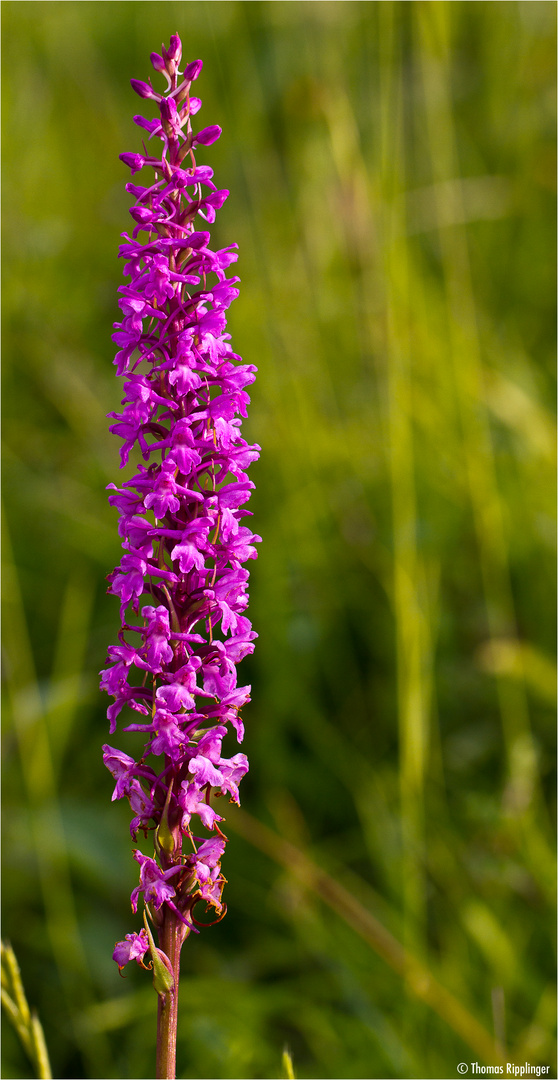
(287, 1063)
(47, 828)
(433, 21)
(421, 982)
(26, 1023)
(66, 683)
(408, 610)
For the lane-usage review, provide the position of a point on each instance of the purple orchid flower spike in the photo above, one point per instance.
(181, 582)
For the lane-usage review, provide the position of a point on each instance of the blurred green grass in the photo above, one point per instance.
(391, 176)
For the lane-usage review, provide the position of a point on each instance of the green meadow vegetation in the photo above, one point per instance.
(391, 872)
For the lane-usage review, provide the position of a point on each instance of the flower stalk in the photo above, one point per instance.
(167, 1015)
(181, 580)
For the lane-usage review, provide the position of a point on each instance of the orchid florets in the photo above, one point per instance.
(181, 581)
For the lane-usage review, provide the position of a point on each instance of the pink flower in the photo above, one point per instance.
(180, 514)
(134, 947)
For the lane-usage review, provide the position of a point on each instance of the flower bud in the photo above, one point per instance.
(144, 90)
(134, 161)
(207, 135)
(192, 70)
(157, 61)
(163, 978)
(164, 836)
(174, 51)
(168, 109)
(169, 117)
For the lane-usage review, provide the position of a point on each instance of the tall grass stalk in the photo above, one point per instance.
(521, 795)
(409, 612)
(29, 721)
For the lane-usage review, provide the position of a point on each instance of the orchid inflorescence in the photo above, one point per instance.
(180, 518)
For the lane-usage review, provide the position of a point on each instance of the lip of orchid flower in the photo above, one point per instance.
(181, 581)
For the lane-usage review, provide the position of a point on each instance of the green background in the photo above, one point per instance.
(391, 176)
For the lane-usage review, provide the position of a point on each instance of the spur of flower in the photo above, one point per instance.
(182, 581)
